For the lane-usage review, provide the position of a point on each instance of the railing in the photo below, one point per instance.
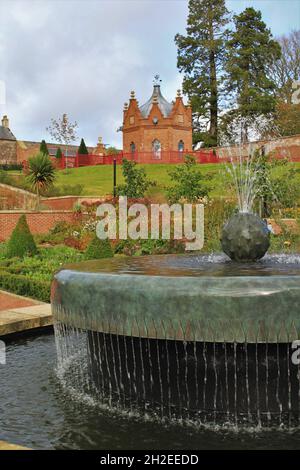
(168, 157)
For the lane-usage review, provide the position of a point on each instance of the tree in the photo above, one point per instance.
(98, 249)
(21, 242)
(58, 153)
(286, 70)
(285, 121)
(251, 53)
(44, 148)
(62, 130)
(188, 183)
(201, 55)
(275, 183)
(136, 183)
(82, 150)
(112, 151)
(41, 173)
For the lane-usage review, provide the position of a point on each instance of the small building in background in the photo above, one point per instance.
(157, 126)
(8, 143)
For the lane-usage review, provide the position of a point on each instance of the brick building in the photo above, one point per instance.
(16, 151)
(8, 143)
(157, 126)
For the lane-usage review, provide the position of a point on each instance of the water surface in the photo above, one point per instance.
(37, 412)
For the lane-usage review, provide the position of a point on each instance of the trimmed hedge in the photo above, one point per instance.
(21, 242)
(23, 285)
(98, 249)
(11, 166)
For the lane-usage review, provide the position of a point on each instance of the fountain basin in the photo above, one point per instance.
(185, 335)
(171, 297)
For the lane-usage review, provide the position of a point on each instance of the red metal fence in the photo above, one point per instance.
(168, 157)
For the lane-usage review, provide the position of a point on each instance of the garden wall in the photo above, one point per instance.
(67, 202)
(39, 222)
(285, 147)
(15, 198)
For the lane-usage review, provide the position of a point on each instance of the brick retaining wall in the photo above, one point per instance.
(66, 203)
(39, 222)
(16, 198)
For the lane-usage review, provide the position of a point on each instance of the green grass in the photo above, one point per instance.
(98, 180)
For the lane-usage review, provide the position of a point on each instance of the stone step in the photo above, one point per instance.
(21, 319)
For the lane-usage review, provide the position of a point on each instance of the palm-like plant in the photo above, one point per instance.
(41, 173)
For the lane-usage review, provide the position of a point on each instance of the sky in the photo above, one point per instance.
(83, 57)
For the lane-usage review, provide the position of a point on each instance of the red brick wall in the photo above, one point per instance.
(39, 222)
(15, 198)
(66, 203)
(288, 147)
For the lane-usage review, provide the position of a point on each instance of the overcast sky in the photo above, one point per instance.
(83, 57)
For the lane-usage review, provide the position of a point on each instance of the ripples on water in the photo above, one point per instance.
(37, 411)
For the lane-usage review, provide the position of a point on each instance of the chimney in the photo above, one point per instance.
(5, 122)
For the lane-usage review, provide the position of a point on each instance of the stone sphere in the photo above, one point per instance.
(245, 237)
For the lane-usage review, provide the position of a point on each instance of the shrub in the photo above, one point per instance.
(65, 190)
(23, 285)
(99, 249)
(136, 183)
(21, 242)
(5, 177)
(188, 182)
(11, 166)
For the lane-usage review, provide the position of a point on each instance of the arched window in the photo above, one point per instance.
(132, 147)
(156, 149)
(180, 146)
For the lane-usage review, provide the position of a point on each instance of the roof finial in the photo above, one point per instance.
(178, 93)
(156, 80)
(132, 95)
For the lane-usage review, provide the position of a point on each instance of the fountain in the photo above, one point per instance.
(190, 337)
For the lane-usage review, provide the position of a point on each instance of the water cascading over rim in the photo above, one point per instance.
(181, 337)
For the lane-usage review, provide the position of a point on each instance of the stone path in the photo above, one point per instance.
(18, 314)
(8, 301)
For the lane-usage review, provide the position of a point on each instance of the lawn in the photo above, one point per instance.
(98, 180)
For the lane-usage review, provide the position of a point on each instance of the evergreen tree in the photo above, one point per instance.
(201, 55)
(44, 148)
(98, 249)
(251, 52)
(82, 150)
(21, 242)
(58, 153)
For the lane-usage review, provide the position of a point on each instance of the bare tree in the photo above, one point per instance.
(286, 70)
(62, 130)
